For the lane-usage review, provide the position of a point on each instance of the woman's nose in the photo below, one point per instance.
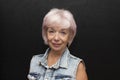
(56, 37)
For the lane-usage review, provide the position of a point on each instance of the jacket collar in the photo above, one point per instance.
(62, 62)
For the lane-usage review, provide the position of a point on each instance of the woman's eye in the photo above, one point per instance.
(51, 31)
(63, 33)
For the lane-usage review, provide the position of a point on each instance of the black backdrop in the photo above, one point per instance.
(97, 39)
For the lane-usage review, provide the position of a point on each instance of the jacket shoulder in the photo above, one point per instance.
(36, 58)
(74, 57)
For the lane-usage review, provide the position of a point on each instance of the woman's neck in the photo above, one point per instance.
(54, 56)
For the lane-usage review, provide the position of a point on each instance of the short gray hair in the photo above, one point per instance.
(52, 16)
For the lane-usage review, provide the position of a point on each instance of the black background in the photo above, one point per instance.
(97, 39)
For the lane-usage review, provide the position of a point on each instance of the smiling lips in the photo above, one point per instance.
(56, 44)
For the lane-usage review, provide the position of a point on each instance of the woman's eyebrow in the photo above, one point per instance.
(50, 28)
(64, 29)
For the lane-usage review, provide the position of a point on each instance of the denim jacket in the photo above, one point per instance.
(64, 69)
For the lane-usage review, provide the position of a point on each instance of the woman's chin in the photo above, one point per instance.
(56, 48)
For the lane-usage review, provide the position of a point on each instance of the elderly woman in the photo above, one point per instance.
(58, 32)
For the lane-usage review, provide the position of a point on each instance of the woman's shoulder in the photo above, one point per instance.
(74, 57)
(37, 57)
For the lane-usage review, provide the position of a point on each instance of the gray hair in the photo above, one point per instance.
(62, 16)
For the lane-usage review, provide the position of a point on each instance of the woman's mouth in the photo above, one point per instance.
(56, 44)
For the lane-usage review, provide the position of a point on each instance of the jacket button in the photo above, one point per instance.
(46, 79)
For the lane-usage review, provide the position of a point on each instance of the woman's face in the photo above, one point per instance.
(58, 37)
